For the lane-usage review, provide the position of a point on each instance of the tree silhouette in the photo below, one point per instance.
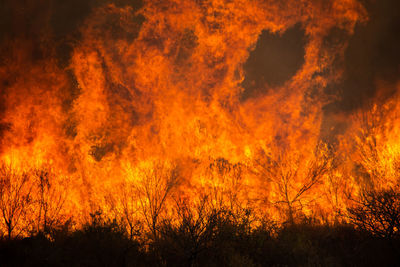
(376, 171)
(336, 187)
(153, 187)
(376, 152)
(377, 212)
(50, 198)
(290, 178)
(15, 198)
(125, 205)
(192, 232)
(224, 185)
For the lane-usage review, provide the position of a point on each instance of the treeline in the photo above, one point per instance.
(31, 201)
(212, 238)
(157, 218)
(186, 232)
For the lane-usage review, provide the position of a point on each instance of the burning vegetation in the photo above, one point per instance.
(170, 120)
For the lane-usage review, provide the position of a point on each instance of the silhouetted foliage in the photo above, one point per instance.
(100, 242)
(15, 197)
(126, 207)
(377, 212)
(202, 237)
(185, 242)
(49, 201)
(225, 185)
(153, 190)
(194, 232)
(292, 178)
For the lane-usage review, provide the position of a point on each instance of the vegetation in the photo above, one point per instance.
(215, 239)
(206, 236)
(149, 224)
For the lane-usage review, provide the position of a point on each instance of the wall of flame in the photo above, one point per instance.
(133, 90)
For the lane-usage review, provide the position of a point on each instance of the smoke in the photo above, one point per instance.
(275, 60)
(372, 54)
(371, 57)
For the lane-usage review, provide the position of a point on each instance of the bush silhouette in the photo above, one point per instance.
(377, 212)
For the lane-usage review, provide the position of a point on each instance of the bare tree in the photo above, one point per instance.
(375, 152)
(50, 199)
(126, 207)
(192, 230)
(291, 177)
(15, 198)
(153, 187)
(376, 172)
(224, 185)
(377, 212)
(336, 186)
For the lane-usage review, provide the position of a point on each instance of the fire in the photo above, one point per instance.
(149, 108)
(375, 137)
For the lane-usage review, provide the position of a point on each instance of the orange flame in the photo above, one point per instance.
(151, 103)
